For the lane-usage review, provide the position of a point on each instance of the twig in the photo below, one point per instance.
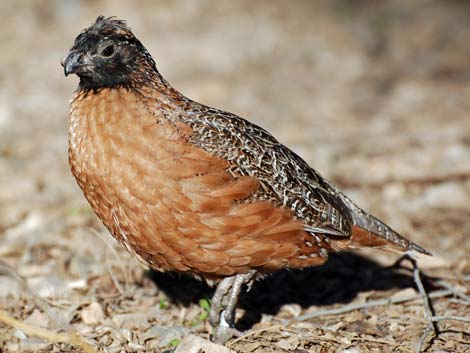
(10, 272)
(111, 248)
(375, 340)
(319, 339)
(423, 338)
(452, 318)
(458, 301)
(373, 303)
(70, 338)
(432, 327)
(427, 305)
(431, 319)
(456, 292)
(57, 319)
(254, 333)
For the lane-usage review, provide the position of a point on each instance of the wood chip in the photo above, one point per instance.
(92, 314)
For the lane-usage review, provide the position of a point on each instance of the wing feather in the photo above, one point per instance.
(284, 178)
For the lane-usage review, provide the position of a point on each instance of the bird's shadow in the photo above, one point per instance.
(340, 280)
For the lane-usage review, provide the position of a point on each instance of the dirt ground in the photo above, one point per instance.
(373, 94)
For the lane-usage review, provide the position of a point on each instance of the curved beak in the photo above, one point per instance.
(72, 63)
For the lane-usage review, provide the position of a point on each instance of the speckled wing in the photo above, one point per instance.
(285, 178)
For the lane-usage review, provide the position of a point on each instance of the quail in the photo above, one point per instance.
(194, 189)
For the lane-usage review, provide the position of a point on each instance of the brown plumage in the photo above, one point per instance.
(193, 189)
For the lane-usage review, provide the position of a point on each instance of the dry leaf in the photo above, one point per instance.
(92, 314)
(38, 319)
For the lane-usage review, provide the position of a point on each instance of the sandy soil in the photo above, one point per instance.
(373, 94)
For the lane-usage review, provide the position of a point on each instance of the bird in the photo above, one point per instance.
(196, 190)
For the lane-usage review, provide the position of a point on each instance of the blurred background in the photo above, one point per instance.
(367, 92)
(373, 94)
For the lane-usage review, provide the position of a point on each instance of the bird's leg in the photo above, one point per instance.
(240, 280)
(218, 301)
(226, 321)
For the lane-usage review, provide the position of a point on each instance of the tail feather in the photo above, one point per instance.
(370, 231)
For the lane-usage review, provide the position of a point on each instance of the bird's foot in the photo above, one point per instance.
(225, 329)
(224, 302)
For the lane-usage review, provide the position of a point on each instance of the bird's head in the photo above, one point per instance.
(107, 54)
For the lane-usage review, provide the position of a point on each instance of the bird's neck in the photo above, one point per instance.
(156, 87)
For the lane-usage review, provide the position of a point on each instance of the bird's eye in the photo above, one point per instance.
(108, 51)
